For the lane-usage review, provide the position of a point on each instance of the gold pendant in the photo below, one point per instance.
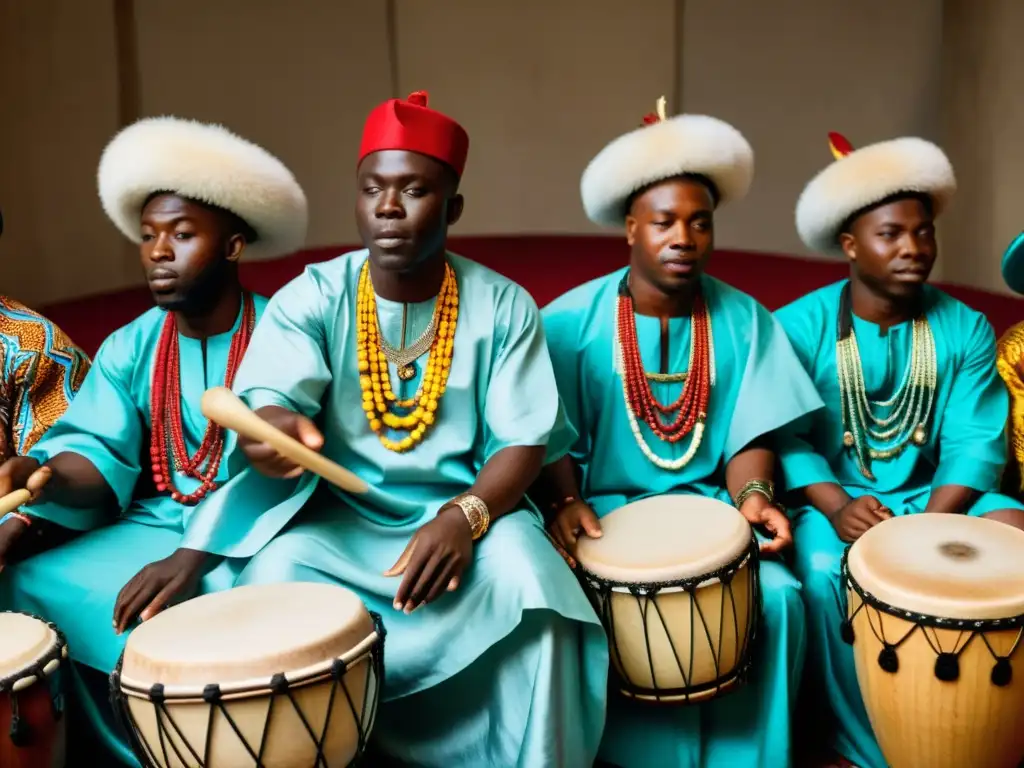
(848, 439)
(920, 435)
(407, 371)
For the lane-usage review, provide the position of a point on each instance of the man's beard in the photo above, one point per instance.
(204, 291)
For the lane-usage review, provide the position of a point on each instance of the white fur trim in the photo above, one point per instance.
(867, 176)
(652, 153)
(208, 163)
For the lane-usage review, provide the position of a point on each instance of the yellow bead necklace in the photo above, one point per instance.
(378, 397)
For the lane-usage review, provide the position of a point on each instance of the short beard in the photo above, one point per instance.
(205, 290)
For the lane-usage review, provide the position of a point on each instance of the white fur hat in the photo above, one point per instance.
(859, 178)
(207, 163)
(659, 150)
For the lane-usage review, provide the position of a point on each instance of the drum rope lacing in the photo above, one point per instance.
(947, 663)
(279, 685)
(646, 593)
(20, 731)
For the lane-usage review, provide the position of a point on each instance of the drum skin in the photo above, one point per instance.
(938, 705)
(252, 634)
(668, 643)
(23, 641)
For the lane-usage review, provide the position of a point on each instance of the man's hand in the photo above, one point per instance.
(23, 472)
(760, 512)
(858, 516)
(10, 533)
(572, 520)
(265, 458)
(154, 587)
(434, 560)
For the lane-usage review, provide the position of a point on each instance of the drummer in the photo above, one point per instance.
(493, 655)
(649, 326)
(1010, 362)
(197, 199)
(915, 412)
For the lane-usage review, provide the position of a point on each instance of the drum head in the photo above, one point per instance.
(665, 538)
(942, 565)
(24, 640)
(247, 633)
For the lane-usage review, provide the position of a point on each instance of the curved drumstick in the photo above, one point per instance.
(13, 500)
(221, 405)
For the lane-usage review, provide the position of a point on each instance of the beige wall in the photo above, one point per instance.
(296, 77)
(540, 84)
(789, 75)
(58, 82)
(983, 69)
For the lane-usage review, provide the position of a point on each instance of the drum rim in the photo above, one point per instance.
(42, 667)
(924, 619)
(725, 683)
(256, 686)
(703, 497)
(685, 584)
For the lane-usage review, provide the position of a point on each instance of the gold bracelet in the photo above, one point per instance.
(763, 487)
(476, 512)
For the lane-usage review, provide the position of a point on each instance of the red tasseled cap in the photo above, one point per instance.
(410, 125)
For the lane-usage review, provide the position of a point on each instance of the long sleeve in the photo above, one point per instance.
(46, 381)
(775, 390)
(521, 407)
(287, 360)
(562, 330)
(103, 422)
(801, 462)
(287, 365)
(1010, 356)
(972, 436)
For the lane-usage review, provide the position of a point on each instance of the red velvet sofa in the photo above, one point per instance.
(545, 265)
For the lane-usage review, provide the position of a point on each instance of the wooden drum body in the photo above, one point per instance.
(274, 676)
(32, 729)
(675, 582)
(935, 616)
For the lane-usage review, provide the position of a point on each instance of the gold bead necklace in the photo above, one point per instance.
(380, 402)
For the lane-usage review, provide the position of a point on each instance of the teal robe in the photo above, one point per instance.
(966, 446)
(759, 388)
(76, 585)
(510, 669)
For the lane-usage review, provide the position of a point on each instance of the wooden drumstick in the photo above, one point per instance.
(221, 405)
(13, 500)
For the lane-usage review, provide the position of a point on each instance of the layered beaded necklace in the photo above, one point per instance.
(905, 418)
(167, 437)
(690, 408)
(379, 400)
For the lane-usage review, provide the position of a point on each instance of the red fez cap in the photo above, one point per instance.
(408, 124)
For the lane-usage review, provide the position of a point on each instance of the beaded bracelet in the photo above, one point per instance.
(16, 516)
(763, 487)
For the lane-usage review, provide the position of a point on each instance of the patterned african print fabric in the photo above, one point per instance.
(1010, 355)
(42, 371)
